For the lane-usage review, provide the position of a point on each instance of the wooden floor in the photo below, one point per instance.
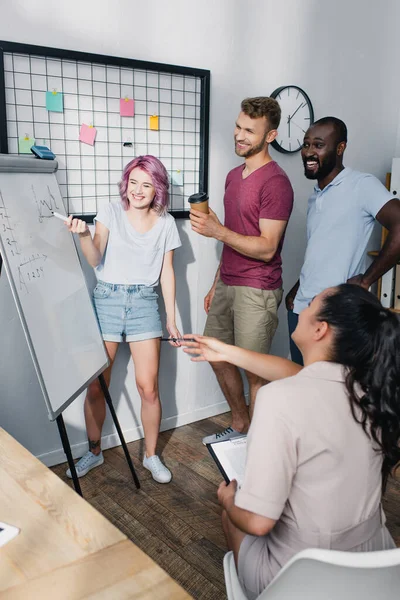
(178, 525)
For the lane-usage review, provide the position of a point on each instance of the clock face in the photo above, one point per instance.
(297, 116)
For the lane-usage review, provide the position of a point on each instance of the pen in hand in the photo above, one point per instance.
(177, 339)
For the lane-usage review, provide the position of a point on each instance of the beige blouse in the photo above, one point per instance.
(310, 467)
(308, 462)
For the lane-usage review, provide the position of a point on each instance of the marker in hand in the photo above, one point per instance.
(62, 217)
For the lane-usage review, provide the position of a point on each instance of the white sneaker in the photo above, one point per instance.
(86, 463)
(159, 472)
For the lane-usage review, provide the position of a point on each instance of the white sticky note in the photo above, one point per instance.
(176, 177)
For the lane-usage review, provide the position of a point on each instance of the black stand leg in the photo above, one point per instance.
(119, 430)
(67, 450)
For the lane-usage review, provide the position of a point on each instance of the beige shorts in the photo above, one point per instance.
(244, 316)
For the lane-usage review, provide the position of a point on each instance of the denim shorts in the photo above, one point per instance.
(127, 312)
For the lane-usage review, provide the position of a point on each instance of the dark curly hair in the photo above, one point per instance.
(367, 341)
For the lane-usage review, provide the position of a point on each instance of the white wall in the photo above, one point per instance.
(343, 54)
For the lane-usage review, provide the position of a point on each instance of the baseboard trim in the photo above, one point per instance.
(56, 457)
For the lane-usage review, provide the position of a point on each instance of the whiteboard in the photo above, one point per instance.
(47, 282)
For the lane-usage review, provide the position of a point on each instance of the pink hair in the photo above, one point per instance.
(159, 177)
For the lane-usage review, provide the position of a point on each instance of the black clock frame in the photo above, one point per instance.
(276, 93)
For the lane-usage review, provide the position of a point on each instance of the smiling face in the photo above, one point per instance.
(321, 152)
(141, 191)
(252, 135)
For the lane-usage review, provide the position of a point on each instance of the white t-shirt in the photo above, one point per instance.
(132, 257)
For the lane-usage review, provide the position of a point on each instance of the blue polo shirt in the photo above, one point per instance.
(340, 220)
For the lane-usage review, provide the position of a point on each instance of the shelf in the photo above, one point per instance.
(395, 310)
(375, 253)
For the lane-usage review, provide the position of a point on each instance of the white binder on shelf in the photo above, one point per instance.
(395, 178)
(388, 292)
(387, 288)
(397, 288)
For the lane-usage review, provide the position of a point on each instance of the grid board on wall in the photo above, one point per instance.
(92, 87)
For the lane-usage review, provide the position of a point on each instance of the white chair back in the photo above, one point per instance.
(317, 574)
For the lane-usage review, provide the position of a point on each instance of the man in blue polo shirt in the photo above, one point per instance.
(341, 215)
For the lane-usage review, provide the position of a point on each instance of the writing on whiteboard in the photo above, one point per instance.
(31, 268)
(7, 229)
(45, 206)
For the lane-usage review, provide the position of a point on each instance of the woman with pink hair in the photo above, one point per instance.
(132, 252)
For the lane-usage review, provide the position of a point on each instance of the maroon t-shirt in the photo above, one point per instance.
(265, 194)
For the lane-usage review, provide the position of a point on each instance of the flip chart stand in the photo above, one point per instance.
(36, 265)
(67, 448)
(68, 453)
(118, 428)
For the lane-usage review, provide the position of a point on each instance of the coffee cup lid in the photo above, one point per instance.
(199, 197)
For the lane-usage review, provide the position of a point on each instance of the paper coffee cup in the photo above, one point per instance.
(199, 202)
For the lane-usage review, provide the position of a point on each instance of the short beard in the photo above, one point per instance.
(325, 169)
(254, 149)
(311, 175)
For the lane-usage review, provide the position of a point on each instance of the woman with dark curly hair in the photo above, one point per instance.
(323, 439)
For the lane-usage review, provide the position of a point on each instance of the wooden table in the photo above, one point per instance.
(66, 549)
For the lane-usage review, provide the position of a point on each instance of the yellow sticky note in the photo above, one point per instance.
(154, 123)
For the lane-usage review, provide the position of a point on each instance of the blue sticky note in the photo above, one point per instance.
(54, 101)
(176, 177)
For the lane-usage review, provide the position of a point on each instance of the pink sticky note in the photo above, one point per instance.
(126, 107)
(87, 134)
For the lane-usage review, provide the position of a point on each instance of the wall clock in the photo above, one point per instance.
(297, 116)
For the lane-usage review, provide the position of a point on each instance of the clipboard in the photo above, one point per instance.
(220, 467)
(230, 458)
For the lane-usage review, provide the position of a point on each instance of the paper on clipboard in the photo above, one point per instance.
(230, 458)
(7, 533)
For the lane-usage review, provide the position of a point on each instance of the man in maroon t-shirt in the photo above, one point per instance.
(243, 302)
